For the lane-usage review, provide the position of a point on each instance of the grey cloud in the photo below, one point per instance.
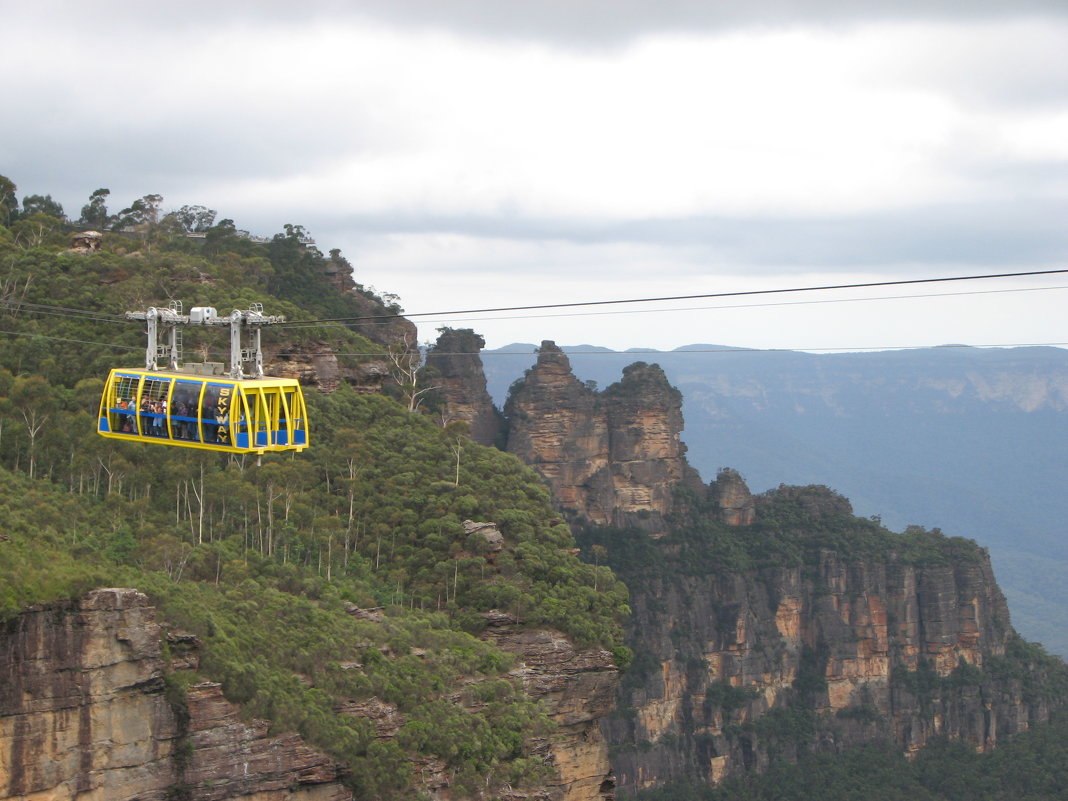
(564, 22)
(998, 235)
(618, 21)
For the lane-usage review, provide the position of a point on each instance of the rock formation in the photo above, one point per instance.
(866, 648)
(316, 365)
(577, 688)
(611, 457)
(458, 368)
(729, 493)
(84, 715)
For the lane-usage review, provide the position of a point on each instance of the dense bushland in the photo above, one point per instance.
(266, 562)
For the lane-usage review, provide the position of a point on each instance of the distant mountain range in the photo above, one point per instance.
(973, 441)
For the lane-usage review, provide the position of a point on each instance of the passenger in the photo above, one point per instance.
(207, 419)
(181, 425)
(122, 417)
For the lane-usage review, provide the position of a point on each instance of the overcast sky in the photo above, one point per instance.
(478, 153)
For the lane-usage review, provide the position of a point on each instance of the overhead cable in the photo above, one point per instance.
(705, 296)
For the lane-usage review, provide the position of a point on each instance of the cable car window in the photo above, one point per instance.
(283, 400)
(184, 402)
(208, 407)
(152, 406)
(241, 410)
(122, 403)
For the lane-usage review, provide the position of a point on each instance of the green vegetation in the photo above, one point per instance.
(1033, 766)
(267, 564)
(795, 524)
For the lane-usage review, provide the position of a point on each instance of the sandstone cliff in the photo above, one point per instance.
(457, 372)
(735, 668)
(84, 715)
(577, 688)
(317, 365)
(611, 457)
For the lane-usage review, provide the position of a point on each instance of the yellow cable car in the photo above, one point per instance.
(196, 408)
(248, 415)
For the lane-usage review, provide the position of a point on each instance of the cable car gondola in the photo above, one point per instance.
(198, 407)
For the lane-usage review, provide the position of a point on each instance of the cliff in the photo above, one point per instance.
(85, 714)
(317, 365)
(578, 689)
(799, 646)
(456, 369)
(611, 457)
(966, 439)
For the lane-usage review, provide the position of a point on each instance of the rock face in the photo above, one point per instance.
(737, 507)
(84, 715)
(610, 457)
(462, 383)
(577, 688)
(316, 365)
(872, 649)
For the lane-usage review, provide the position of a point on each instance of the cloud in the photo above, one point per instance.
(617, 23)
(510, 149)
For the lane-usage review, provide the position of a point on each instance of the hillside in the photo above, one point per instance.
(967, 440)
(344, 594)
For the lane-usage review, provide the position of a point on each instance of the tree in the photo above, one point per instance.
(95, 212)
(221, 237)
(143, 211)
(194, 219)
(456, 434)
(33, 230)
(405, 366)
(33, 400)
(9, 202)
(33, 204)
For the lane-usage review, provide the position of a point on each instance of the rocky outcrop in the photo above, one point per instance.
(317, 365)
(729, 493)
(84, 715)
(864, 649)
(577, 687)
(457, 368)
(611, 457)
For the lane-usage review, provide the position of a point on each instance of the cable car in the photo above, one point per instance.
(199, 407)
(250, 415)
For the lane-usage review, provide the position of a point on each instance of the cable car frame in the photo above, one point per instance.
(200, 406)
